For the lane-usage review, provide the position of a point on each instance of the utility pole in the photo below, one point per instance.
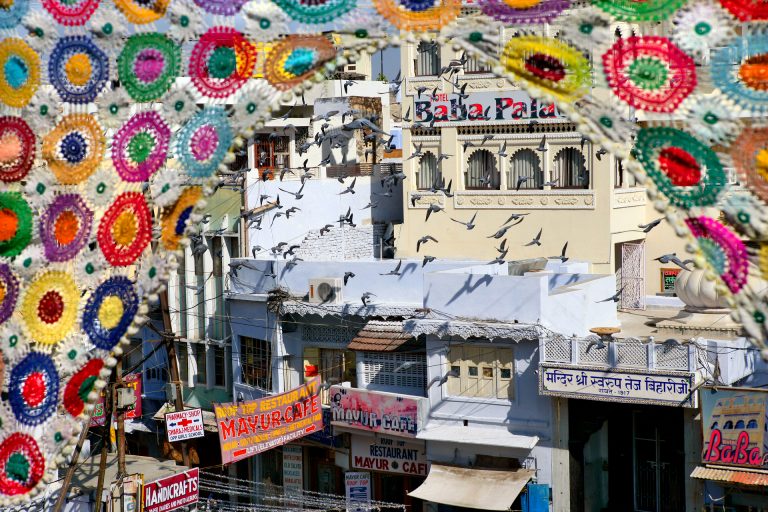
(71, 469)
(170, 348)
(104, 440)
(120, 432)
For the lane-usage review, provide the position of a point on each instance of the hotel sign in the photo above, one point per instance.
(734, 426)
(481, 107)
(659, 388)
(376, 411)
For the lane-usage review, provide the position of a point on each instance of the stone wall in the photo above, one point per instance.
(347, 243)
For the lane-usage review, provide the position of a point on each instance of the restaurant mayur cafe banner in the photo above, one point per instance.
(734, 427)
(377, 411)
(255, 426)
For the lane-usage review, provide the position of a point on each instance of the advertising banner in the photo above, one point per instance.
(376, 411)
(184, 425)
(132, 380)
(389, 455)
(293, 470)
(733, 423)
(248, 428)
(660, 388)
(131, 494)
(482, 107)
(172, 492)
(358, 491)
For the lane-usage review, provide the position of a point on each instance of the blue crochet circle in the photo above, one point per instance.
(417, 5)
(12, 15)
(69, 92)
(122, 288)
(73, 147)
(214, 118)
(725, 74)
(34, 366)
(181, 222)
(16, 72)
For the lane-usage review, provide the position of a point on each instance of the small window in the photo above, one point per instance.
(202, 364)
(714, 426)
(219, 367)
(181, 356)
(428, 174)
(728, 425)
(739, 425)
(752, 424)
(487, 372)
(427, 59)
(474, 65)
(525, 164)
(456, 370)
(481, 172)
(570, 169)
(256, 362)
(506, 373)
(472, 371)
(493, 363)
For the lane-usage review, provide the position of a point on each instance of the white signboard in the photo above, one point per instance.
(661, 388)
(184, 425)
(358, 491)
(293, 470)
(481, 107)
(390, 455)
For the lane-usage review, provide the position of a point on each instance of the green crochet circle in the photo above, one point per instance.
(648, 73)
(714, 254)
(632, 10)
(316, 14)
(134, 47)
(140, 147)
(222, 62)
(15, 203)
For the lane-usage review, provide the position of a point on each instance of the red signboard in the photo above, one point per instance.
(255, 426)
(735, 427)
(132, 380)
(172, 492)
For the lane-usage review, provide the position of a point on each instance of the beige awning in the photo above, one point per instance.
(485, 489)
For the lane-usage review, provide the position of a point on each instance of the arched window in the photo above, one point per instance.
(752, 424)
(714, 426)
(525, 163)
(427, 59)
(481, 172)
(728, 425)
(428, 173)
(570, 170)
(740, 425)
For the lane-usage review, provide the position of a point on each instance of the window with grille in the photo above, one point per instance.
(256, 362)
(403, 370)
(481, 172)
(201, 364)
(481, 372)
(525, 163)
(473, 65)
(570, 169)
(181, 358)
(428, 173)
(271, 154)
(219, 366)
(333, 366)
(427, 59)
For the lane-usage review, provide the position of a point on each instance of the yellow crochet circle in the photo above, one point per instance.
(522, 4)
(140, 15)
(437, 16)
(125, 228)
(550, 65)
(171, 230)
(72, 173)
(110, 312)
(78, 69)
(17, 55)
(761, 163)
(45, 331)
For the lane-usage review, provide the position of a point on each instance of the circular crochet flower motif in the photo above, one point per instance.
(13, 342)
(186, 21)
(523, 11)
(723, 251)
(17, 148)
(179, 105)
(153, 274)
(548, 64)
(106, 25)
(89, 267)
(747, 10)
(321, 11)
(42, 111)
(141, 12)
(643, 10)
(20, 76)
(166, 185)
(712, 118)
(148, 65)
(176, 219)
(61, 432)
(418, 15)
(203, 142)
(746, 82)
(252, 105)
(71, 354)
(686, 171)
(125, 229)
(9, 291)
(649, 73)
(71, 12)
(80, 388)
(474, 33)
(33, 389)
(49, 307)
(222, 61)
(39, 188)
(12, 12)
(100, 187)
(30, 261)
(264, 21)
(749, 154)
(22, 463)
(15, 223)
(65, 227)
(78, 69)
(221, 7)
(114, 107)
(700, 27)
(140, 146)
(74, 148)
(110, 311)
(41, 30)
(587, 28)
(295, 60)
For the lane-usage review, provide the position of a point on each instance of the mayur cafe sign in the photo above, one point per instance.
(376, 411)
(482, 106)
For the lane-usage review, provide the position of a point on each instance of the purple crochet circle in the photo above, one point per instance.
(141, 129)
(204, 142)
(221, 7)
(543, 12)
(149, 65)
(70, 205)
(10, 284)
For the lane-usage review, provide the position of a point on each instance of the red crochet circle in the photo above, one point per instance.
(122, 255)
(50, 307)
(680, 166)
(73, 402)
(20, 166)
(198, 67)
(27, 446)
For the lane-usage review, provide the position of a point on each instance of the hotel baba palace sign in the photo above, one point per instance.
(733, 424)
(482, 107)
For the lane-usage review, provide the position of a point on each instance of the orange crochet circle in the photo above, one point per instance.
(66, 227)
(9, 224)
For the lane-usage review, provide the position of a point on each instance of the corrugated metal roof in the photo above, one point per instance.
(381, 336)
(731, 476)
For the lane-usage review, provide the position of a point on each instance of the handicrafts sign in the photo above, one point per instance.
(184, 425)
(734, 427)
(376, 411)
(482, 106)
(390, 455)
(172, 492)
(248, 428)
(667, 388)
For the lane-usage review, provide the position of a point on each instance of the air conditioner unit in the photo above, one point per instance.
(325, 290)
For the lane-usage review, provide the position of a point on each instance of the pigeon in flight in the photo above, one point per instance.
(563, 258)
(347, 276)
(366, 297)
(536, 240)
(433, 208)
(427, 259)
(396, 271)
(470, 224)
(648, 227)
(672, 258)
(616, 297)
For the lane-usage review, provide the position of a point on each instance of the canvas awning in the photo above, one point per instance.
(485, 489)
(500, 437)
(731, 476)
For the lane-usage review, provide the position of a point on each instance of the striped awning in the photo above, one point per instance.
(731, 476)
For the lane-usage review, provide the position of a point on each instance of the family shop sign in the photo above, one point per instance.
(252, 427)
(376, 411)
(734, 427)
